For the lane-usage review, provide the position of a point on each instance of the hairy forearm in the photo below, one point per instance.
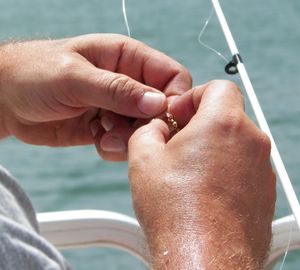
(3, 131)
(216, 238)
(3, 62)
(206, 197)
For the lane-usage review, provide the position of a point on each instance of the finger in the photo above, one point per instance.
(219, 98)
(112, 145)
(71, 132)
(165, 74)
(148, 141)
(115, 148)
(110, 120)
(212, 101)
(91, 87)
(184, 107)
(130, 57)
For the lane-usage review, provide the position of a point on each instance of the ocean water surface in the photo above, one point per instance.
(267, 33)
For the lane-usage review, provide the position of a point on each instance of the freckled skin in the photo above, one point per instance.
(207, 194)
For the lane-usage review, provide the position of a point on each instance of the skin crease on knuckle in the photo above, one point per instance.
(230, 123)
(119, 86)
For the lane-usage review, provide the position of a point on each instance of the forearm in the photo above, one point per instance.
(216, 237)
(3, 131)
(3, 79)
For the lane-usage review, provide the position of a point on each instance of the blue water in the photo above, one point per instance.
(267, 33)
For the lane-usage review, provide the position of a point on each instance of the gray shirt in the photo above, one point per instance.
(21, 246)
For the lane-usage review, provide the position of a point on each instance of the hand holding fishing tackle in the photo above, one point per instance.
(205, 197)
(54, 92)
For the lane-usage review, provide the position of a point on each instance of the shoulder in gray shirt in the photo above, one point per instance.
(21, 246)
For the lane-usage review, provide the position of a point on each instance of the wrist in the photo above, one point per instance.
(211, 236)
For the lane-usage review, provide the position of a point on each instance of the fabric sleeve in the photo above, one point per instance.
(21, 246)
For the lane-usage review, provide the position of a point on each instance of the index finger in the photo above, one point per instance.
(212, 100)
(219, 98)
(130, 57)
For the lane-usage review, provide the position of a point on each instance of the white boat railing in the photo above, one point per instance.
(95, 228)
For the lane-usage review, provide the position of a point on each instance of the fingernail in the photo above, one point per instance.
(95, 127)
(112, 144)
(107, 123)
(152, 103)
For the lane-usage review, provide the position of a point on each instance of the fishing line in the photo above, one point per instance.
(287, 249)
(125, 17)
(290, 231)
(205, 44)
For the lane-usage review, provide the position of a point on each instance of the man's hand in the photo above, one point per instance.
(54, 92)
(205, 198)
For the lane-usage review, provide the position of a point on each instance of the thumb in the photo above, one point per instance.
(147, 142)
(213, 100)
(184, 107)
(118, 93)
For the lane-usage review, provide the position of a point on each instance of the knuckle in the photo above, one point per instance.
(231, 122)
(121, 40)
(66, 68)
(120, 87)
(264, 143)
(226, 85)
(182, 72)
(119, 37)
(231, 84)
(187, 74)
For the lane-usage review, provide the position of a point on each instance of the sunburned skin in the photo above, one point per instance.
(207, 195)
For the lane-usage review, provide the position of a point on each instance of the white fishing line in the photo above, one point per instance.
(125, 17)
(205, 44)
(287, 248)
(290, 230)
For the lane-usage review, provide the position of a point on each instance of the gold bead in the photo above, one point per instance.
(173, 125)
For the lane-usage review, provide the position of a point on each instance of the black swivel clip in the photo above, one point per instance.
(231, 67)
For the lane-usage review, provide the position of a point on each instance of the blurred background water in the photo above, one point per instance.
(267, 33)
